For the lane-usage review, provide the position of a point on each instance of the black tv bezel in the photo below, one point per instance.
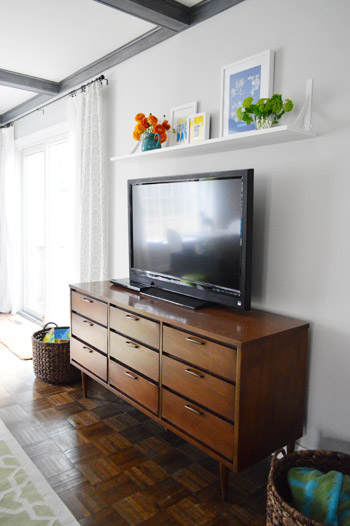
(241, 299)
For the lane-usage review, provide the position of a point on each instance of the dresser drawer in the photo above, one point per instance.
(90, 307)
(213, 393)
(198, 423)
(89, 358)
(135, 327)
(134, 386)
(90, 332)
(134, 355)
(213, 357)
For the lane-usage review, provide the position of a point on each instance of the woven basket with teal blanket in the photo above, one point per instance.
(280, 508)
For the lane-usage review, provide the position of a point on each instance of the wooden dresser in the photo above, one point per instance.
(231, 382)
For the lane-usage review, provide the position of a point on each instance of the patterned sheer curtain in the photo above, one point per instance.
(85, 115)
(7, 221)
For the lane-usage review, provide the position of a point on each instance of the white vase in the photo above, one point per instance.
(262, 123)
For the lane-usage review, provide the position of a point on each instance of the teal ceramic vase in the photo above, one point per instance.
(150, 141)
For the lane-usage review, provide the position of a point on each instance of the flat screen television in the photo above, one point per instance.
(190, 237)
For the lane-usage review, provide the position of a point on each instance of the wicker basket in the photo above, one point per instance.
(279, 508)
(51, 361)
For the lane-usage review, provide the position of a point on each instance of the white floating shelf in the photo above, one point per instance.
(237, 141)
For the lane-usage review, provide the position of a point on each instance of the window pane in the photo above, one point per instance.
(34, 234)
(59, 230)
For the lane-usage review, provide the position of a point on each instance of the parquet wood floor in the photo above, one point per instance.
(112, 465)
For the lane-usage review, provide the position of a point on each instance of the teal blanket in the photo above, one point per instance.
(324, 498)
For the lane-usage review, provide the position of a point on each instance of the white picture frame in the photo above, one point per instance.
(252, 76)
(178, 121)
(198, 127)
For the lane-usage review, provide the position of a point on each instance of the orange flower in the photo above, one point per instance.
(152, 120)
(166, 125)
(159, 129)
(136, 136)
(144, 124)
(138, 128)
(139, 117)
(163, 137)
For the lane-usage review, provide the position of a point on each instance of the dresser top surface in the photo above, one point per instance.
(229, 325)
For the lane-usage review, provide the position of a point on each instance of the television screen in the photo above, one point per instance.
(191, 231)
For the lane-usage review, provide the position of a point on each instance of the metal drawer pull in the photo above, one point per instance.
(133, 345)
(87, 349)
(87, 300)
(88, 322)
(130, 375)
(192, 340)
(189, 408)
(133, 318)
(189, 371)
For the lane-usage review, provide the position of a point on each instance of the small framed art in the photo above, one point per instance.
(198, 127)
(250, 77)
(178, 121)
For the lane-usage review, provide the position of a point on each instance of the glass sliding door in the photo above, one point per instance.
(47, 231)
(34, 234)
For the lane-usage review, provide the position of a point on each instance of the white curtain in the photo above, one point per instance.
(8, 202)
(85, 115)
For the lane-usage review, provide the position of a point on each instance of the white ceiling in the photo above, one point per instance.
(189, 3)
(52, 39)
(10, 97)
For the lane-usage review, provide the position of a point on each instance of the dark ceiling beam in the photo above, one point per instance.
(146, 41)
(164, 13)
(163, 9)
(24, 108)
(208, 8)
(26, 82)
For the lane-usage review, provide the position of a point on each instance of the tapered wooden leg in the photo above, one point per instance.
(224, 473)
(84, 381)
(291, 447)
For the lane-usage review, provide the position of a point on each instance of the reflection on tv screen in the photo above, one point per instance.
(189, 230)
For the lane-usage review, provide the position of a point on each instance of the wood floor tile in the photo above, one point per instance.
(106, 517)
(12, 414)
(162, 518)
(147, 474)
(61, 398)
(127, 458)
(53, 463)
(187, 512)
(107, 411)
(94, 431)
(80, 454)
(114, 466)
(174, 460)
(68, 481)
(194, 477)
(30, 434)
(40, 448)
(153, 447)
(99, 470)
(85, 418)
(166, 493)
(121, 421)
(136, 509)
(112, 443)
(67, 439)
(136, 433)
(116, 489)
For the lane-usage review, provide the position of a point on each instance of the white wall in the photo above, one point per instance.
(302, 216)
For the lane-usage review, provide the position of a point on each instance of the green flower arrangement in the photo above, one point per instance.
(270, 110)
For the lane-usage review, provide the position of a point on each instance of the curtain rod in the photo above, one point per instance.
(72, 93)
